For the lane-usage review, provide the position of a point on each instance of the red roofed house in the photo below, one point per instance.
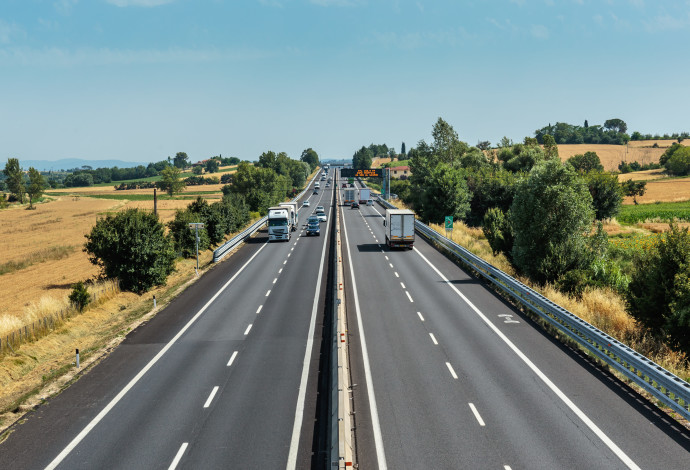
(400, 172)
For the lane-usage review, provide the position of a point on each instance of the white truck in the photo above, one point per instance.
(349, 196)
(293, 212)
(278, 223)
(364, 195)
(399, 225)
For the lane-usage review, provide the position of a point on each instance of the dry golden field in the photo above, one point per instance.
(52, 236)
(646, 175)
(664, 190)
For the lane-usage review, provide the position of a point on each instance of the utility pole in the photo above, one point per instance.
(196, 226)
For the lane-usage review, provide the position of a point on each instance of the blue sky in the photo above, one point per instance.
(139, 80)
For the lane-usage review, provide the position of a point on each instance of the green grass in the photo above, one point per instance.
(665, 211)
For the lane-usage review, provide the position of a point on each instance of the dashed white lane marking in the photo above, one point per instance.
(246, 332)
(259, 309)
(232, 359)
(289, 255)
(557, 391)
(285, 262)
(506, 467)
(292, 249)
(476, 415)
(390, 264)
(210, 397)
(396, 274)
(420, 316)
(433, 338)
(274, 280)
(386, 257)
(268, 293)
(280, 270)
(452, 372)
(178, 456)
(409, 296)
(402, 285)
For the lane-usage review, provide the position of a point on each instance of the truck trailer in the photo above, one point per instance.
(364, 195)
(399, 225)
(278, 223)
(349, 196)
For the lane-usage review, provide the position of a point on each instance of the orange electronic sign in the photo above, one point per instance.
(365, 173)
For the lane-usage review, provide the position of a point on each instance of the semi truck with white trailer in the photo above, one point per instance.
(399, 225)
(364, 195)
(279, 227)
(293, 213)
(349, 196)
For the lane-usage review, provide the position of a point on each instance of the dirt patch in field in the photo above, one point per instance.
(646, 175)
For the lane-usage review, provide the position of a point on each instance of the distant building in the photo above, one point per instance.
(400, 172)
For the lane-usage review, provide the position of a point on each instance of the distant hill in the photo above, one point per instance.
(71, 163)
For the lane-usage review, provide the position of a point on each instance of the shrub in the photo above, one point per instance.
(80, 297)
(659, 292)
(499, 234)
(132, 246)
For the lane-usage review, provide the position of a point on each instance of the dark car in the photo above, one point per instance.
(316, 191)
(355, 205)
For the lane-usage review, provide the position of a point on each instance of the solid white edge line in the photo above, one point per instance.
(409, 296)
(375, 424)
(178, 456)
(92, 424)
(232, 359)
(433, 338)
(452, 371)
(299, 410)
(210, 397)
(259, 309)
(476, 415)
(420, 316)
(246, 332)
(573, 407)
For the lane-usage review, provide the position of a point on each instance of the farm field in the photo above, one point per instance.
(52, 236)
(611, 155)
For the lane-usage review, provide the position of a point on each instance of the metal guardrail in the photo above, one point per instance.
(220, 252)
(668, 388)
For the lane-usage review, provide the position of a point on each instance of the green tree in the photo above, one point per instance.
(35, 186)
(550, 148)
(212, 165)
(484, 145)
(171, 180)
(447, 146)
(197, 170)
(679, 162)
(402, 150)
(446, 195)
(659, 291)
(181, 160)
(584, 163)
(184, 237)
(15, 178)
(132, 247)
(617, 125)
(607, 194)
(550, 216)
(633, 189)
(498, 232)
(363, 158)
(311, 157)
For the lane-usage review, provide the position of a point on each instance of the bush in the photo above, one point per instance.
(184, 237)
(659, 292)
(499, 234)
(80, 297)
(132, 247)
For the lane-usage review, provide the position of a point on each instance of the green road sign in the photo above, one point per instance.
(449, 222)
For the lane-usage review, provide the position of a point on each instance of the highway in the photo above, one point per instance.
(453, 377)
(224, 377)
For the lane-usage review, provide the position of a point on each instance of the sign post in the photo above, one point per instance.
(196, 226)
(449, 225)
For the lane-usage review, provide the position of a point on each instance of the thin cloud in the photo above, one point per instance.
(539, 31)
(139, 3)
(57, 57)
(9, 31)
(334, 3)
(667, 23)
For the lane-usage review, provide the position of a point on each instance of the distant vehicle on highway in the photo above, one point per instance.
(316, 191)
(306, 203)
(321, 214)
(355, 205)
(370, 202)
(313, 227)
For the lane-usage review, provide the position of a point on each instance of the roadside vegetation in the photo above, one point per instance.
(543, 220)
